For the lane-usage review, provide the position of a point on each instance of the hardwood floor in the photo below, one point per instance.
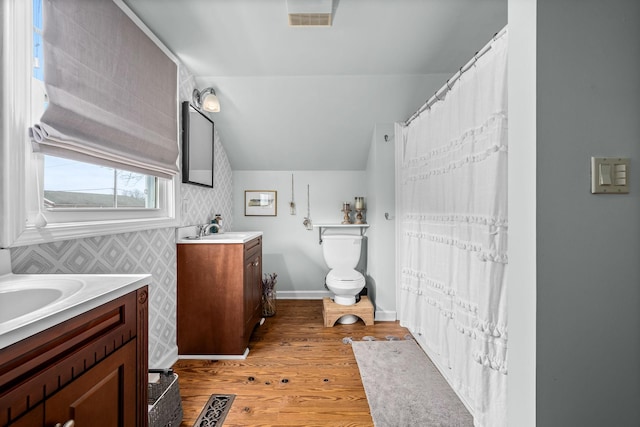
(298, 373)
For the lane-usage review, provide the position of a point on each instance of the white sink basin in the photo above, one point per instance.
(20, 302)
(227, 237)
(20, 298)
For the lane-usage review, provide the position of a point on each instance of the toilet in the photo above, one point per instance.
(342, 253)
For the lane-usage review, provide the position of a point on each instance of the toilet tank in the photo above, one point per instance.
(341, 250)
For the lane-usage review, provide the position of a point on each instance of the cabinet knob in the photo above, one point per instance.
(69, 423)
(255, 264)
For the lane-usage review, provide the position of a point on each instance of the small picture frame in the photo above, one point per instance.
(260, 203)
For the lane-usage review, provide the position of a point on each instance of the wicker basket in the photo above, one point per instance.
(165, 404)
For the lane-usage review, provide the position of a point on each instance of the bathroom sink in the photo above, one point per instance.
(20, 302)
(27, 296)
(227, 237)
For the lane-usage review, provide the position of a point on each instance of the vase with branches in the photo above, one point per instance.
(269, 294)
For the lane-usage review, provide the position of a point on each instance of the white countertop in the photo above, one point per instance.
(81, 293)
(186, 235)
(340, 225)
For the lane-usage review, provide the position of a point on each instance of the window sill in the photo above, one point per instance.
(79, 230)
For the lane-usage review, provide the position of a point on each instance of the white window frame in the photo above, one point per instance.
(19, 188)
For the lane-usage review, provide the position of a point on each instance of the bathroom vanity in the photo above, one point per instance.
(90, 367)
(219, 294)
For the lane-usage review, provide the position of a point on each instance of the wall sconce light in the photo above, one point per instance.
(206, 100)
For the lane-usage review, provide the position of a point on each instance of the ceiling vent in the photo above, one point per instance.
(310, 13)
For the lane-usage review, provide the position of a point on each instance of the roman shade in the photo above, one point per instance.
(111, 90)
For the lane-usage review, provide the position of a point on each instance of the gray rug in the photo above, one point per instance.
(215, 411)
(404, 388)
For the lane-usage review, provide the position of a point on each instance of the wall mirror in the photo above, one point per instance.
(197, 147)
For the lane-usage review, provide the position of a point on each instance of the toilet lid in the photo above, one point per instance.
(345, 275)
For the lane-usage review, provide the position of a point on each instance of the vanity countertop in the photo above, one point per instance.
(31, 303)
(187, 235)
(231, 237)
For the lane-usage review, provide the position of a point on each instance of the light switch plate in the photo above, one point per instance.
(610, 175)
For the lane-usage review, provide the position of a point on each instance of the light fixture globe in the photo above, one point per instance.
(206, 100)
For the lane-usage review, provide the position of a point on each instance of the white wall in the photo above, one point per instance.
(288, 248)
(521, 285)
(381, 190)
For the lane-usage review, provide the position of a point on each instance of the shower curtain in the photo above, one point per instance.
(451, 164)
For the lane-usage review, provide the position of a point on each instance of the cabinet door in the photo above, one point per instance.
(103, 396)
(34, 417)
(252, 291)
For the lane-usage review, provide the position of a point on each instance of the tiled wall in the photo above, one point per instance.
(149, 251)
(202, 201)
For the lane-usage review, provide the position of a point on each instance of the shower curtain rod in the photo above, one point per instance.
(437, 96)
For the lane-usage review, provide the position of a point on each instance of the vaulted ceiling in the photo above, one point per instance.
(308, 98)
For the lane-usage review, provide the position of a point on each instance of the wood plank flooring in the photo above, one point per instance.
(298, 373)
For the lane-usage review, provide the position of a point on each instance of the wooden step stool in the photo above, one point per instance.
(332, 311)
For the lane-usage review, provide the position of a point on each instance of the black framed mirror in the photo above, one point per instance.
(197, 147)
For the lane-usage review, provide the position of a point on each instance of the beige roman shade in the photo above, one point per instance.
(111, 90)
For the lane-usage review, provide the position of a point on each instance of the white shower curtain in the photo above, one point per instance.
(451, 166)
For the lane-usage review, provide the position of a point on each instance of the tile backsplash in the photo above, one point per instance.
(149, 251)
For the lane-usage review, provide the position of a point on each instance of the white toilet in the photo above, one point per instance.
(342, 253)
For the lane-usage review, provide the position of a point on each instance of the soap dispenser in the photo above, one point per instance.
(213, 221)
(218, 221)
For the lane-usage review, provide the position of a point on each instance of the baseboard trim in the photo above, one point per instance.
(303, 294)
(242, 356)
(386, 316)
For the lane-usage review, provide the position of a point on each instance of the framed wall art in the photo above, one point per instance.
(260, 203)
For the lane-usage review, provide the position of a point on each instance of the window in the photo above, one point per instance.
(78, 199)
(70, 184)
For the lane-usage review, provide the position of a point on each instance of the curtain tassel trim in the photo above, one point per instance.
(458, 218)
(465, 331)
(475, 158)
(422, 278)
(467, 306)
(491, 329)
(492, 362)
(497, 121)
(483, 255)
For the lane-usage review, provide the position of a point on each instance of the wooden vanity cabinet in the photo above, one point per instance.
(219, 297)
(91, 368)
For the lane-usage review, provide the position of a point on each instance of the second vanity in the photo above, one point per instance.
(219, 294)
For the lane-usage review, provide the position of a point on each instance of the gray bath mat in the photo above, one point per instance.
(215, 411)
(404, 388)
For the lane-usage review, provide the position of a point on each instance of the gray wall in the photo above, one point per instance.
(588, 246)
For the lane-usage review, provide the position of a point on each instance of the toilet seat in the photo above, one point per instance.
(345, 278)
